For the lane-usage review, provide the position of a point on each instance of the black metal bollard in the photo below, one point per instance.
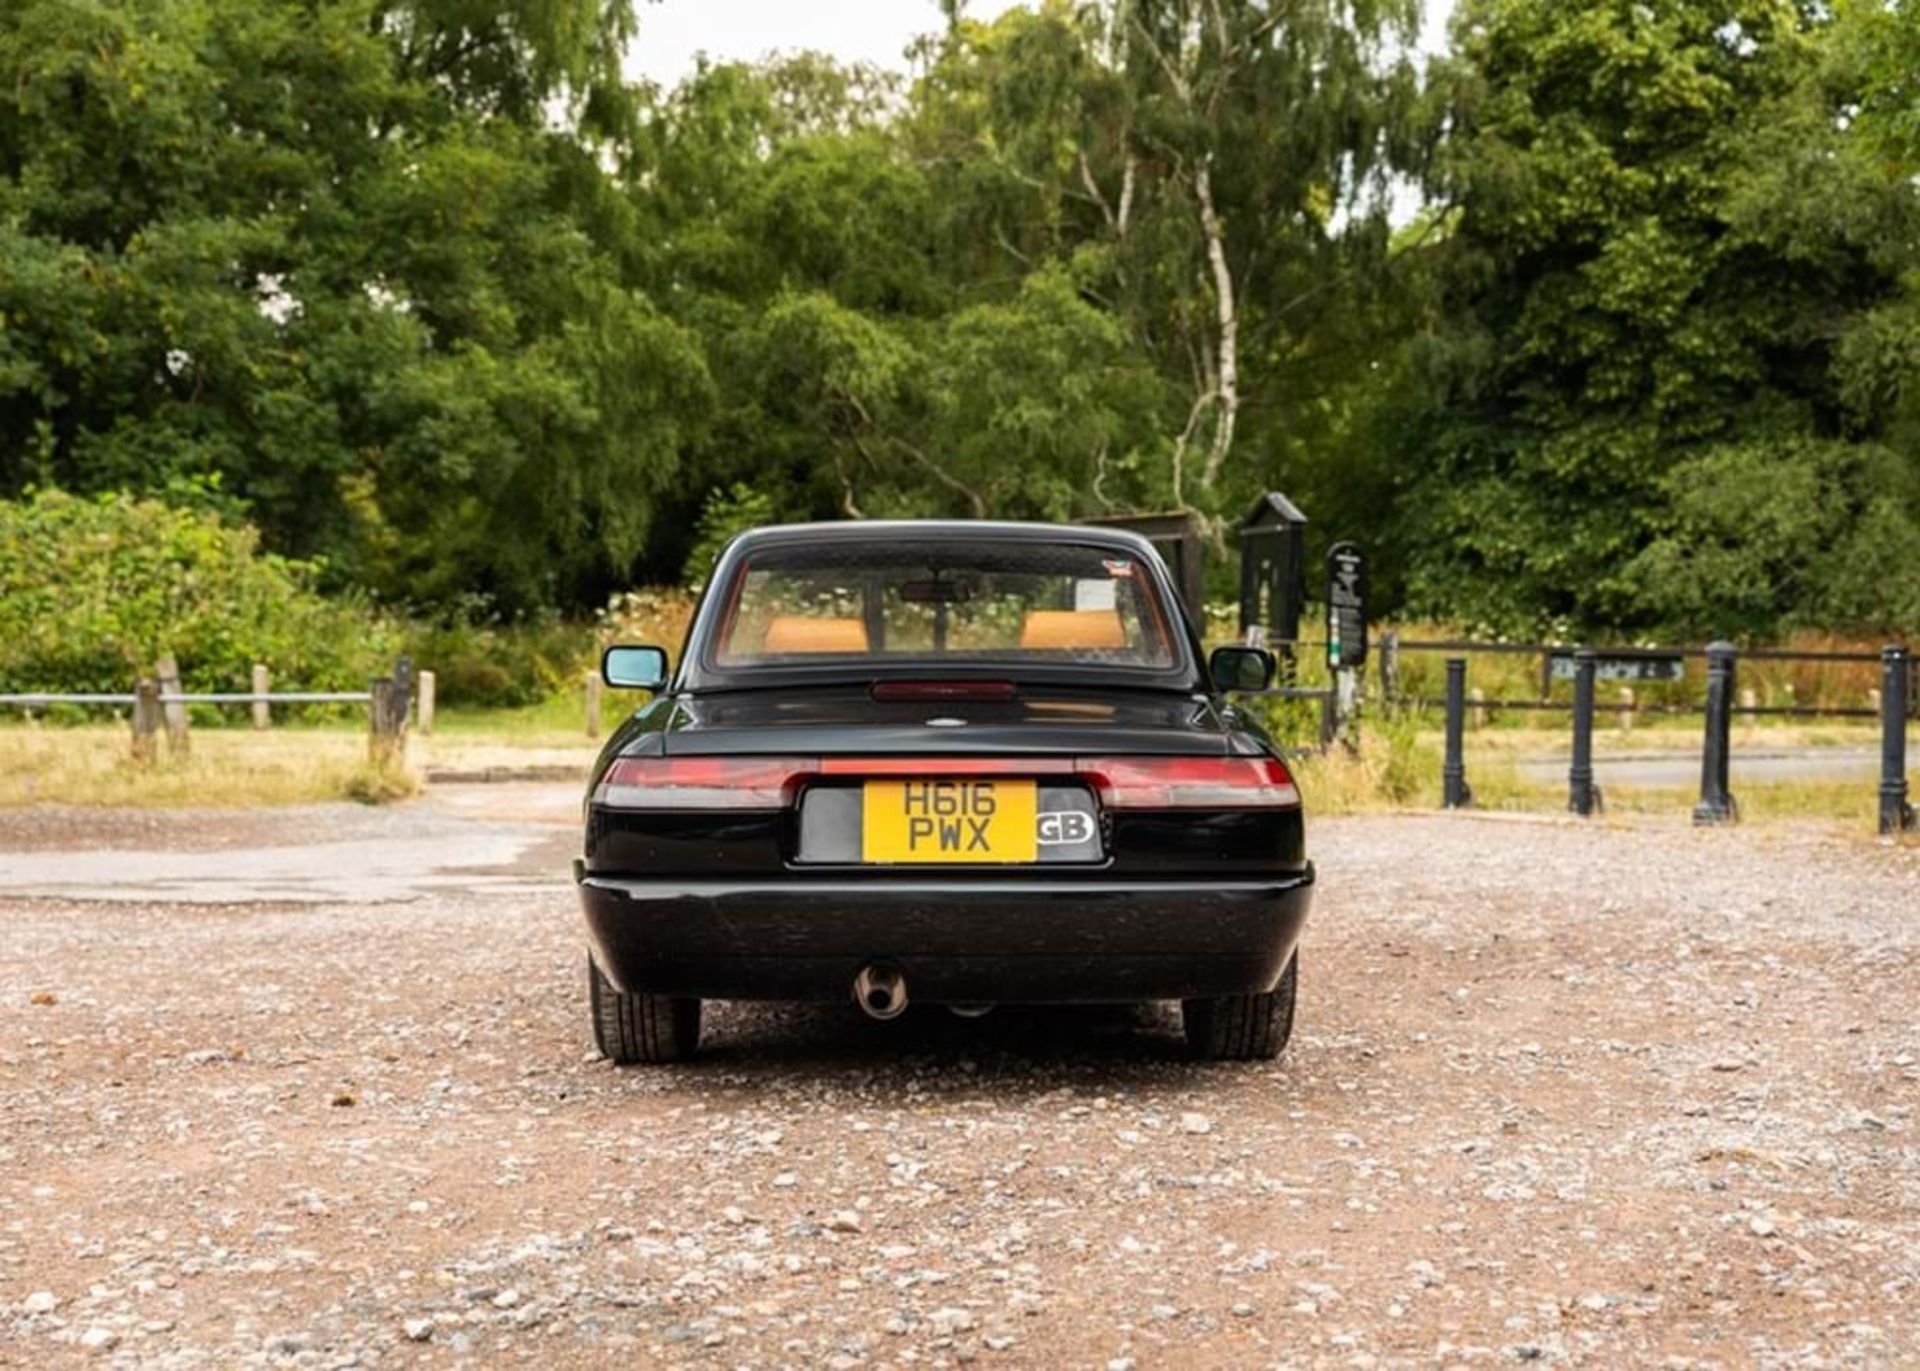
(1717, 804)
(1455, 793)
(1896, 815)
(1583, 796)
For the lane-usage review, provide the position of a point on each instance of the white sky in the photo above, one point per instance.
(672, 32)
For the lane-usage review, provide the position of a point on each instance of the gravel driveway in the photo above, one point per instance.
(1611, 1095)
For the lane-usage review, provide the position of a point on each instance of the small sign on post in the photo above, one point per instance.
(1619, 664)
(1346, 606)
(1346, 633)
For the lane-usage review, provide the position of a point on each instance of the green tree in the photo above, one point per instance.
(1219, 177)
(337, 255)
(1629, 409)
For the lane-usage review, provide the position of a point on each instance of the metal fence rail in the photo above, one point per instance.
(1896, 698)
(1716, 804)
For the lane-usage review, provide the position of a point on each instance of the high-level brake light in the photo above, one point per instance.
(943, 690)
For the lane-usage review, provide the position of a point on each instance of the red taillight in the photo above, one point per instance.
(702, 782)
(1190, 782)
(1122, 782)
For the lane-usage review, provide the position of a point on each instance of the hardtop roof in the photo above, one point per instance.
(879, 530)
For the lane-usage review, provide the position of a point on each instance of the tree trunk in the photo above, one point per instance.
(1227, 387)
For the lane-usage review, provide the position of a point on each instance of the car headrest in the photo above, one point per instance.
(803, 633)
(1073, 628)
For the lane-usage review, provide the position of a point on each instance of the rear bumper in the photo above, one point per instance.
(980, 939)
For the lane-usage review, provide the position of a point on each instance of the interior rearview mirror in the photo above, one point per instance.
(1241, 668)
(634, 668)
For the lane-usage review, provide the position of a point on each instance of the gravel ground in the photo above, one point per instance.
(1609, 1095)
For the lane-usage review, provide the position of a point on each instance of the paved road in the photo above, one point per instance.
(1609, 1094)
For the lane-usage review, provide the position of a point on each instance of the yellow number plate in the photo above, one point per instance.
(958, 820)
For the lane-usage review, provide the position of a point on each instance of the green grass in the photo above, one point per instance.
(555, 721)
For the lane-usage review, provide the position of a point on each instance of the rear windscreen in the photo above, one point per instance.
(944, 602)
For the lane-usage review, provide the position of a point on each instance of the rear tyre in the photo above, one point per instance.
(641, 1028)
(1243, 1028)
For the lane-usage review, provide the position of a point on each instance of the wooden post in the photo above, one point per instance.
(1346, 706)
(146, 720)
(262, 682)
(1626, 709)
(176, 713)
(386, 723)
(1478, 699)
(593, 704)
(424, 708)
(1749, 701)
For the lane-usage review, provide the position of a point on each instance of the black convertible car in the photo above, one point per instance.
(966, 763)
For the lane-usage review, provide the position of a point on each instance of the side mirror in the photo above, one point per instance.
(634, 668)
(1241, 668)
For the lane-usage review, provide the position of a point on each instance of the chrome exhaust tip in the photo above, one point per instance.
(881, 992)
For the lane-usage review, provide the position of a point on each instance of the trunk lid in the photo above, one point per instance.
(848, 721)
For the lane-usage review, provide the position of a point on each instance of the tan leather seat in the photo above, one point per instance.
(1073, 628)
(803, 633)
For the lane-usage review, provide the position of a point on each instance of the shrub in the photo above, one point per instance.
(500, 665)
(94, 590)
(508, 665)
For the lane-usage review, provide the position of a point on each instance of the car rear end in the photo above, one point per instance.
(957, 763)
(773, 877)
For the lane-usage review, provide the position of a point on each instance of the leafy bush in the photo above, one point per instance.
(500, 665)
(509, 665)
(93, 591)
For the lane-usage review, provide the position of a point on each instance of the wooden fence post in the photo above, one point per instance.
(1478, 699)
(593, 704)
(146, 720)
(1749, 701)
(1626, 709)
(176, 713)
(424, 707)
(386, 723)
(262, 682)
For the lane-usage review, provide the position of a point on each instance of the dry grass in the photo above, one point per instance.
(1680, 736)
(1851, 805)
(1398, 766)
(93, 765)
